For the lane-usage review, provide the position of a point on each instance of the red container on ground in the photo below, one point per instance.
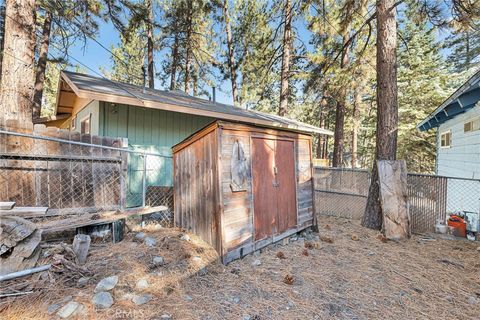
(459, 225)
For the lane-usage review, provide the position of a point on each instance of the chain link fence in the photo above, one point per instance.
(69, 172)
(343, 193)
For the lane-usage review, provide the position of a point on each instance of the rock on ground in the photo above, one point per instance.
(106, 284)
(151, 242)
(102, 300)
(158, 261)
(142, 284)
(68, 309)
(141, 299)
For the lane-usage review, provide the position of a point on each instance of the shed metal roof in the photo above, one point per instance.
(463, 99)
(91, 87)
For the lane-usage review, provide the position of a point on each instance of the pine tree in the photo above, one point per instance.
(423, 78)
(464, 43)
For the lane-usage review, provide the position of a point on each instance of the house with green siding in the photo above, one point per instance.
(152, 120)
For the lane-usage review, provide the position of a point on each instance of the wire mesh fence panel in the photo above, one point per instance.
(341, 192)
(69, 172)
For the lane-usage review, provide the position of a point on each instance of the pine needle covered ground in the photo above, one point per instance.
(346, 273)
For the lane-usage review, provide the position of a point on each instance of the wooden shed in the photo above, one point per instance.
(241, 187)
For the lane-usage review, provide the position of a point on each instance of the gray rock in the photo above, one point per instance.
(202, 271)
(196, 259)
(290, 305)
(83, 281)
(472, 300)
(449, 298)
(140, 236)
(294, 238)
(256, 262)
(185, 237)
(158, 261)
(165, 317)
(142, 284)
(81, 312)
(68, 309)
(106, 284)
(236, 299)
(141, 299)
(102, 300)
(247, 317)
(188, 298)
(53, 308)
(151, 242)
(371, 253)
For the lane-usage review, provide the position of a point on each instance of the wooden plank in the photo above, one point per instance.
(25, 212)
(89, 219)
(7, 205)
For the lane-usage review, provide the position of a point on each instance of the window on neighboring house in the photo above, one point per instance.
(472, 125)
(85, 125)
(446, 139)
(73, 123)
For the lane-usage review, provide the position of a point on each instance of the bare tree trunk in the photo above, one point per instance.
(321, 137)
(231, 58)
(188, 41)
(41, 66)
(2, 36)
(151, 72)
(356, 125)
(387, 108)
(18, 63)
(173, 75)
(339, 138)
(285, 72)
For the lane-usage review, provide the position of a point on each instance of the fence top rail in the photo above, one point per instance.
(342, 169)
(438, 176)
(83, 144)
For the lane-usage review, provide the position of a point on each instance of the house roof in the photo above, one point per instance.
(463, 99)
(96, 88)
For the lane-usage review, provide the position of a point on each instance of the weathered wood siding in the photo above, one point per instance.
(196, 192)
(462, 158)
(237, 206)
(238, 213)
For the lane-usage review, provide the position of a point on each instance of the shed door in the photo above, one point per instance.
(274, 191)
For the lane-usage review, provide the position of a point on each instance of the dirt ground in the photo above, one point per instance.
(357, 276)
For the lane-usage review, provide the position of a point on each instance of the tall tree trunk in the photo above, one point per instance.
(356, 125)
(387, 108)
(173, 75)
(18, 63)
(2, 36)
(151, 72)
(285, 72)
(231, 58)
(339, 138)
(321, 137)
(41, 66)
(188, 45)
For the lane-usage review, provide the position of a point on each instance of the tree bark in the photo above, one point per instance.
(188, 41)
(173, 72)
(2, 36)
(41, 65)
(231, 58)
(356, 125)
(151, 72)
(285, 72)
(387, 108)
(321, 137)
(18, 63)
(339, 138)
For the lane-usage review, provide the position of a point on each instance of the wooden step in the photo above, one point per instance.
(25, 212)
(7, 205)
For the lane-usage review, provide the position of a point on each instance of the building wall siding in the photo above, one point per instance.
(462, 158)
(149, 130)
(92, 108)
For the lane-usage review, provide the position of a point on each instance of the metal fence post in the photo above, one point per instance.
(144, 179)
